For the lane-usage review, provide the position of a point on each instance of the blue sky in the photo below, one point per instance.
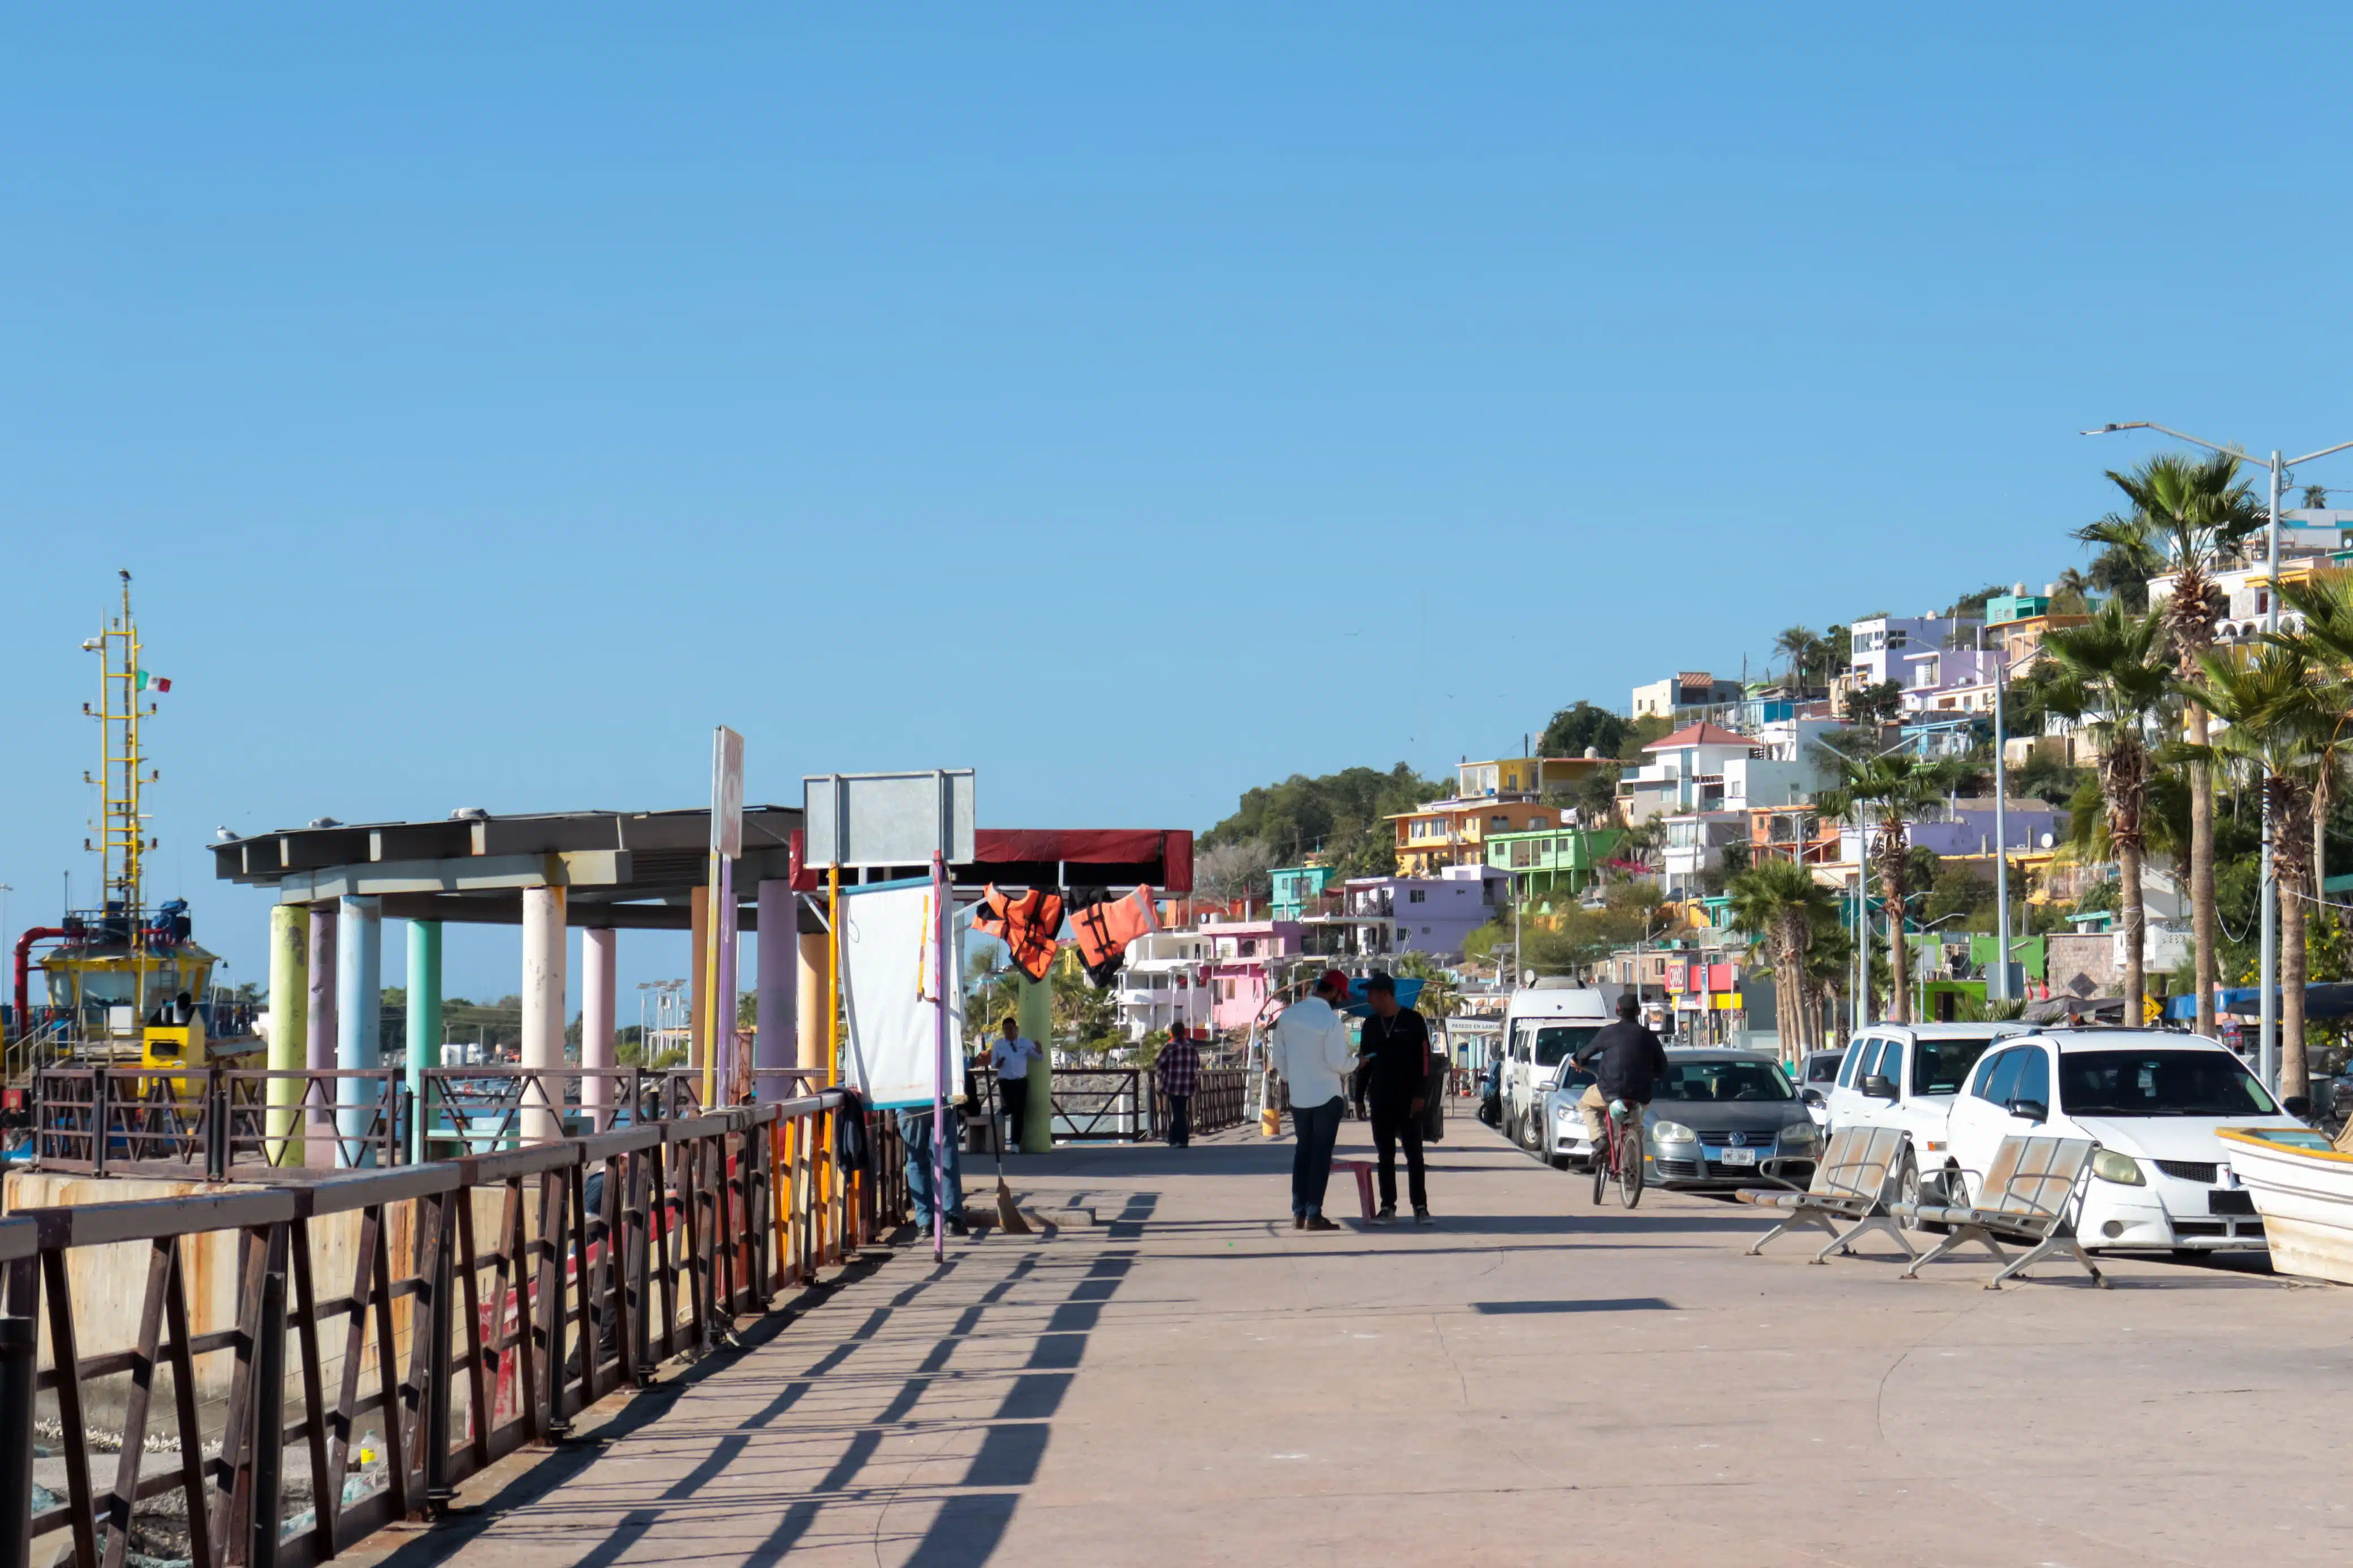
(1133, 403)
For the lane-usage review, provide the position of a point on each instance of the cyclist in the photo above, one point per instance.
(1627, 1063)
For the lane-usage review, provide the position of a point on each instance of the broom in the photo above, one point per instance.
(1009, 1217)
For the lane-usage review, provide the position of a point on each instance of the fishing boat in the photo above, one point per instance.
(2303, 1186)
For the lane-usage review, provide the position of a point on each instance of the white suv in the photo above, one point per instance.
(1906, 1075)
(2152, 1102)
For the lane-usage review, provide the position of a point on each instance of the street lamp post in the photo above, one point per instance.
(2267, 896)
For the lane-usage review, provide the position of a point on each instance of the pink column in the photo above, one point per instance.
(597, 986)
(778, 1043)
(319, 1094)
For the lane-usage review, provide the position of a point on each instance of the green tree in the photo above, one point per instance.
(1880, 704)
(2114, 680)
(1438, 998)
(2276, 718)
(1780, 902)
(1345, 814)
(2189, 514)
(1886, 793)
(1573, 728)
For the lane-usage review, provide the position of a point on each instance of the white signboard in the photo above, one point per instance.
(889, 819)
(727, 792)
(890, 995)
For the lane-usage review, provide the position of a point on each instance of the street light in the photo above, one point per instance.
(2267, 896)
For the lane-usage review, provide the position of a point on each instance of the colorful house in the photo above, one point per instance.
(1297, 890)
(1454, 832)
(1563, 860)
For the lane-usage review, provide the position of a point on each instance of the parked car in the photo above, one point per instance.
(1729, 1118)
(1905, 1076)
(1816, 1074)
(1570, 1145)
(1542, 1024)
(2152, 1102)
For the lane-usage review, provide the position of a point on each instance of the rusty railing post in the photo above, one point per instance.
(268, 1492)
(19, 1342)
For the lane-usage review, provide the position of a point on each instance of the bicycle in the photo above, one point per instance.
(1620, 1155)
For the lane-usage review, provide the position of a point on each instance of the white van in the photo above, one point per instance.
(1542, 1024)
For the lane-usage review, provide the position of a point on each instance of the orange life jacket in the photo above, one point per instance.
(1028, 926)
(1105, 930)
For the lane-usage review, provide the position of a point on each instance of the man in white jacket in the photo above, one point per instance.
(1309, 1051)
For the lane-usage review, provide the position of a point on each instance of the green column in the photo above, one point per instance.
(290, 1024)
(1036, 1010)
(424, 1022)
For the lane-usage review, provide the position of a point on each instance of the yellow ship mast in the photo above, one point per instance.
(122, 828)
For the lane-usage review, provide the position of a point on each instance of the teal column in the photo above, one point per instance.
(424, 1022)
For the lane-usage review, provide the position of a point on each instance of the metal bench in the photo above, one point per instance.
(2028, 1197)
(1853, 1183)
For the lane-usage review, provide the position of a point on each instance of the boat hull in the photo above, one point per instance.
(2306, 1196)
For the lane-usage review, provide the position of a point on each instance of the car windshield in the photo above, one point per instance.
(1941, 1066)
(1555, 1042)
(1724, 1081)
(2158, 1083)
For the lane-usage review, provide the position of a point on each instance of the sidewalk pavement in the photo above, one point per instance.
(1187, 1380)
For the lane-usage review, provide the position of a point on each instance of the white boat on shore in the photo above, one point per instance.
(2303, 1186)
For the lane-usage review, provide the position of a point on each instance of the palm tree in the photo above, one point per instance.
(1804, 650)
(2326, 643)
(1884, 794)
(1780, 903)
(2112, 676)
(2278, 717)
(2187, 514)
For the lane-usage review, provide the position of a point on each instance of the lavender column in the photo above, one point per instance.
(318, 1095)
(778, 1042)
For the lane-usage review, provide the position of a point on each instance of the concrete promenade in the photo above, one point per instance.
(1189, 1382)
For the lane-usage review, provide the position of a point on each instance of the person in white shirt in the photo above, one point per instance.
(1011, 1056)
(1309, 1051)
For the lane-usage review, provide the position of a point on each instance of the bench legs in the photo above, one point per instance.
(1845, 1242)
(1954, 1237)
(2050, 1246)
(1803, 1219)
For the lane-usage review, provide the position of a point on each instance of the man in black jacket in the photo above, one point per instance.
(1396, 1053)
(1627, 1063)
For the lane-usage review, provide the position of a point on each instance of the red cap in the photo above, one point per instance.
(1332, 977)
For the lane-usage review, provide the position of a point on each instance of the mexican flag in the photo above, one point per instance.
(154, 682)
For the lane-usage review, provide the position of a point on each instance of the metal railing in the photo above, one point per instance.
(222, 1123)
(479, 1304)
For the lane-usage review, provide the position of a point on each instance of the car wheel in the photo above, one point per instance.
(1560, 1161)
(1907, 1179)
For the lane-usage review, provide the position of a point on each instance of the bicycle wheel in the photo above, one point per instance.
(1600, 1170)
(1630, 1166)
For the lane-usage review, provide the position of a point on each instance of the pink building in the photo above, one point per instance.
(1244, 952)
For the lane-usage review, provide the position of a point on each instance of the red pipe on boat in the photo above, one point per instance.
(23, 959)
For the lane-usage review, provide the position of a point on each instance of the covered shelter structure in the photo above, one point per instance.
(605, 872)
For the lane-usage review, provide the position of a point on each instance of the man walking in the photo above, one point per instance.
(1395, 1049)
(1180, 1072)
(1011, 1055)
(1309, 1051)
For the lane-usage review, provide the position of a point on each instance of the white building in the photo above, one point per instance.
(1167, 980)
(1882, 642)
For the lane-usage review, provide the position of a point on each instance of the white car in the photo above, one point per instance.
(1906, 1075)
(2151, 1101)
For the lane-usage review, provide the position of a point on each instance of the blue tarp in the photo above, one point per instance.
(1408, 992)
(2327, 999)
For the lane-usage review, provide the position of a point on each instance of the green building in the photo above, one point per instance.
(1296, 888)
(1549, 861)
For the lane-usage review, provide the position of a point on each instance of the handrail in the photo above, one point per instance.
(489, 1300)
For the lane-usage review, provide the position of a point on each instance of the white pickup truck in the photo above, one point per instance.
(1906, 1075)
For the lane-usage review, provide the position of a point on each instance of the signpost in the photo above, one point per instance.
(718, 971)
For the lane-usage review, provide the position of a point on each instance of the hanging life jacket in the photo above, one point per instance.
(1105, 930)
(1028, 926)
